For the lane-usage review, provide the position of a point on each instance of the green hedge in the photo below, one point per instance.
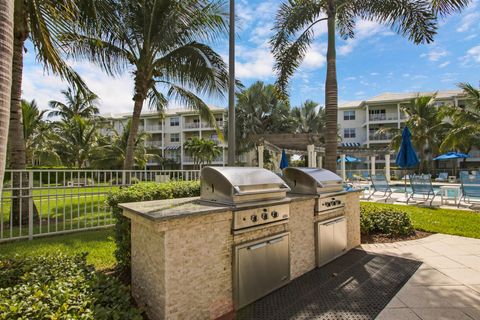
(58, 286)
(142, 192)
(387, 221)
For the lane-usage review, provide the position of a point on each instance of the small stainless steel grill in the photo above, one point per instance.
(314, 181)
(258, 200)
(238, 185)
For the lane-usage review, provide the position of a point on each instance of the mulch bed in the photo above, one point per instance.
(381, 238)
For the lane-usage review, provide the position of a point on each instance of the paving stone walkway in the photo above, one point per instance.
(447, 284)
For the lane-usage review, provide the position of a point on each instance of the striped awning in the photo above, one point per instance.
(172, 147)
(350, 144)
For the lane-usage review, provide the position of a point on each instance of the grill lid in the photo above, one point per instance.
(233, 185)
(312, 180)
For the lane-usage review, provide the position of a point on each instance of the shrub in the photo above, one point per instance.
(57, 286)
(391, 222)
(142, 192)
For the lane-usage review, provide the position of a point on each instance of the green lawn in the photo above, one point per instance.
(99, 244)
(448, 221)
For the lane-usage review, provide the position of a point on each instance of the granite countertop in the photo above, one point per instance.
(159, 210)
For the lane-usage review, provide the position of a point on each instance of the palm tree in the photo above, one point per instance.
(78, 103)
(160, 42)
(294, 35)
(259, 110)
(6, 49)
(464, 126)
(310, 117)
(110, 153)
(37, 133)
(75, 141)
(427, 127)
(202, 151)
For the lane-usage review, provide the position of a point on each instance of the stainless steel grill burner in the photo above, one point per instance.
(313, 181)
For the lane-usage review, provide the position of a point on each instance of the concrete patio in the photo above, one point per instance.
(447, 284)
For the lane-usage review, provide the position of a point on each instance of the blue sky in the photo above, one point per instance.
(376, 61)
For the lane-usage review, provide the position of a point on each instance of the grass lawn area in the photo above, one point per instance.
(99, 244)
(457, 222)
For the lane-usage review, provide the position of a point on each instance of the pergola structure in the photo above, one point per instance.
(311, 146)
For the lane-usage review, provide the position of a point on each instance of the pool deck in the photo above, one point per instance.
(447, 284)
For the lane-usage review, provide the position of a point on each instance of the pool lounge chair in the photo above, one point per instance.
(380, 184)
(422, 185)
(442, 177)
(470, 186)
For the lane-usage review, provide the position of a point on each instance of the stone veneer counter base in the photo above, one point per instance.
(182, 252)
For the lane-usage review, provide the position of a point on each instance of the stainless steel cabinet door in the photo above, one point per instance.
(325, 245)
(261, 268)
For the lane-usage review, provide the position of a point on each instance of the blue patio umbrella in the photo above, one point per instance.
(407, 156)
(284, 160)
(452, 155)
(349, 159)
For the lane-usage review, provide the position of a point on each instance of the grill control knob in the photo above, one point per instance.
(254, 218)
(328, 204)
(265, 215)
(274, 214)
(339, 202)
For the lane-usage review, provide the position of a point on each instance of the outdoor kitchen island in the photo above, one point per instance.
(194, 259)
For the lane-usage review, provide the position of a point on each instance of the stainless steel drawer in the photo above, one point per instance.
(260, 267)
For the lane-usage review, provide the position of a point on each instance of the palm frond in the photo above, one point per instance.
(446, 7)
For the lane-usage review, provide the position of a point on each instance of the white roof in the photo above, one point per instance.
(391, 97)
(167, 112)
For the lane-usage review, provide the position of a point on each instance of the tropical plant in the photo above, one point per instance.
(464, 126)
(160, 42)
(75, 141)
(426, 125)
(78, 103)
(6, 48)
(37, 133)
(110, 153)
(309, 117)
(258, 111)
(202, 151)
(295, 33)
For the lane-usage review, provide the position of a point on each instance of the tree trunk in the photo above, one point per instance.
(132, 136)
(6, 54)
(331, 94)
(16, 143)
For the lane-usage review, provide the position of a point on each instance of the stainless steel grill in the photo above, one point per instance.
(314, 181)
(238, 185)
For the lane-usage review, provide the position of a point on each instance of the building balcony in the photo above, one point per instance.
(220, 124)
(189, 159)
(381, 137)
(191, 125)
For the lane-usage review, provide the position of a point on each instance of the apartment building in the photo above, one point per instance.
(360, 121)
(168, 132)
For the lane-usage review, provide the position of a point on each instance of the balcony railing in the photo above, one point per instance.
(191, 125)
(189, 159)
(382, 136)
(382, 117)
(153, 128)
(156, 144)
(220, 124)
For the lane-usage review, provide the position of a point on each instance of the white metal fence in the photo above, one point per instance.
(36, 203)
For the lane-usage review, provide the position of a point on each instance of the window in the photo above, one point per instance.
(349, 133)
(349, 115)
(174, 121)
(174, 137)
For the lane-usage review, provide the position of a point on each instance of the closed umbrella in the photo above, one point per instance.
(284, 160)
(452, 156)
(406, 157)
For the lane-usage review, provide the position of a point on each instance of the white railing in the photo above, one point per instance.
(191, 125)
(153, 128)
(153, 143)
(37, 203)
(189, 159)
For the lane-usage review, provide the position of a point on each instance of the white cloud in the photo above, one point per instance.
(443, 65)
(253, 63)
(350, 78)
(435, 54)
(374, 73)
(468, 21)
(473, 55)
(363, 30)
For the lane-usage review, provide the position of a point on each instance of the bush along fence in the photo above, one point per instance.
(142, 192)
(384, 221)
(36, 202)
